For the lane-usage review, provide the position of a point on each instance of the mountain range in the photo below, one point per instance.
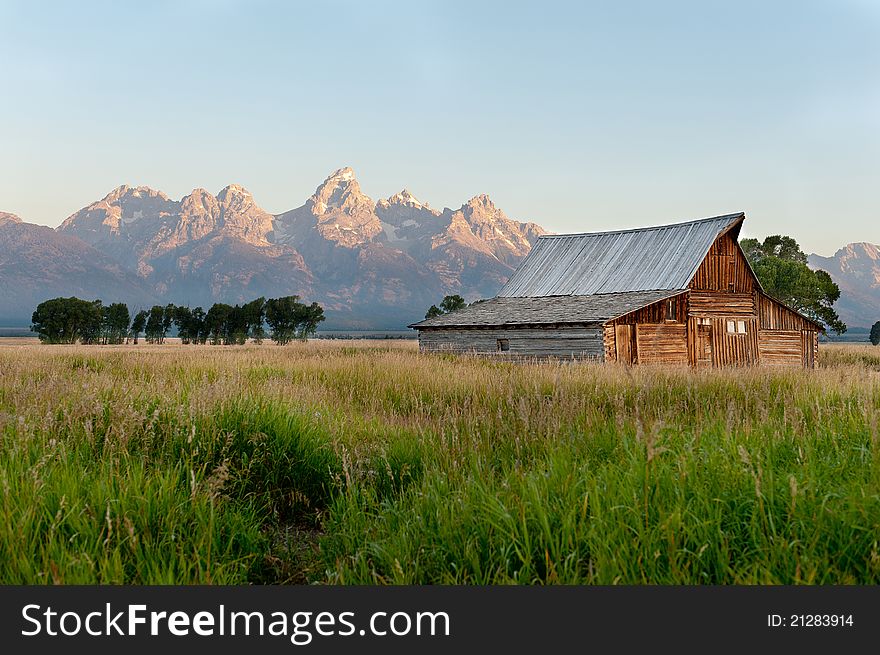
(371, 264)
(856, 270)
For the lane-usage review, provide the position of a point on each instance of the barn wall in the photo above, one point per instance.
(724, 269)
(776, 316)
(662, 343)
(610, 344)
(713, 303)
(780, 347)
(562, 342)
(656, 312)
(734, 349)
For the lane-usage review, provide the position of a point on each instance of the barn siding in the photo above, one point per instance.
(780, 347)
(725, 268)
(562, 342)
(776, 316)
(734, 349)
(610, 344)
(713, 303)
(662, 343)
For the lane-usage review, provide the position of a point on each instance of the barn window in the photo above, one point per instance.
(502, 345)
(671, 309)
(736, 327)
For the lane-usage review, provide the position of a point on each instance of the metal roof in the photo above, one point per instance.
(645, 259)
(546, 310)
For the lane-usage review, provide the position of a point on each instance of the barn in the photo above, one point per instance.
(673, 294)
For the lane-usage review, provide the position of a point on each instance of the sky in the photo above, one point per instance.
(578, 116)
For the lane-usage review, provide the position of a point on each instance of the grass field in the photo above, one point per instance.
(364, 462)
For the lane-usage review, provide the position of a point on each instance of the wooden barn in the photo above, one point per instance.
(674, 294)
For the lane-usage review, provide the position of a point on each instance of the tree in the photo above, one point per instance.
(307, 319)
(289, 319)
(781, 266)
(183, 320)
(115, 322)
(255, 316)
(449, 304)
(216, 322)
(281, 317)
(199, 331)
(875, 334)
(138, 324)
(93, 318)
(67, 320)
(167, 320)
(153, 332)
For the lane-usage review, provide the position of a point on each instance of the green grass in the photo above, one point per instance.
(345, 464)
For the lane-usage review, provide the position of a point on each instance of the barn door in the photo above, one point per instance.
(624, 339)
(704, 342)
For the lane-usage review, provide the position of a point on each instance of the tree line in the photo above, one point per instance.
(72, 320)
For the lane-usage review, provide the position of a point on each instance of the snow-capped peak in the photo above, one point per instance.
(405, 198)
(343, 174)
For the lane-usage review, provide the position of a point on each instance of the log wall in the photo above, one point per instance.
(662, 343)
(780, 347)
(562, 342)
(713, 303)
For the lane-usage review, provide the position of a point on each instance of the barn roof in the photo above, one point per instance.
(546, 310)
(645, 259)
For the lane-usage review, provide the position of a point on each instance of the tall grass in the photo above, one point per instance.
(358, 463)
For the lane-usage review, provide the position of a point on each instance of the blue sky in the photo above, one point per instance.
(578, 116)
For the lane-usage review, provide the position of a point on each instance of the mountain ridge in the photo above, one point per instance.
(372, 264)
(855, 268)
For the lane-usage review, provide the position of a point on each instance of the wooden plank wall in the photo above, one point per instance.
(562, 342)
(776, 316)
(724, 269)
(713, 303)
(780, 347)
(662, 343)
(610, 344)
(734, 349)
(656, 312)
(658, 340)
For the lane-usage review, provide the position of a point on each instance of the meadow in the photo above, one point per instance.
(366, 462)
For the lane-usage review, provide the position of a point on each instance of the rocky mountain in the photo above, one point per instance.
(856, 270)
(37, 263)
(394, 257)
(371, 264)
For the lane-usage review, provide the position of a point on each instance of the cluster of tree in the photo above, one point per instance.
(69, 320)
(781, 266)
(447, 305)
(875, 334)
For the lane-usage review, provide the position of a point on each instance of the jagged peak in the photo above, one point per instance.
(864, 246)
(8, 217)
(232, 190)
(198, 192)
(345, 174)
(482, 200)
(126, 191)
(405, 197)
